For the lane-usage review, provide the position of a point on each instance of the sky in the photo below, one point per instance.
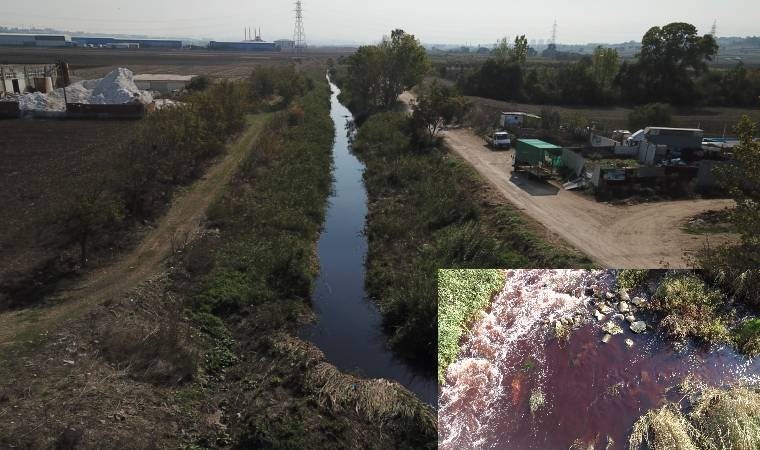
(469, 22)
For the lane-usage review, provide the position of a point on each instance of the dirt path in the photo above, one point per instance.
(178, 226)
(639, 236)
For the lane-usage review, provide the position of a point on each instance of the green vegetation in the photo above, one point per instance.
(734, 266)
(629, 279)
(690, 308)
(429, 201)
(462, 295)
(285, 83)
(436, 107)
(649, 114)
(714, 419)
(748, 337)
(255, 291)
(377, 74)
(671, 68)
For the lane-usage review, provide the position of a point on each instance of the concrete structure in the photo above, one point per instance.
(11, 80)
(246, 46)
(162, 83)
(35, 40)
(112, 42)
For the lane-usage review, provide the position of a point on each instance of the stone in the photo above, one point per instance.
(604, 308)
(619, 317)
(639, 302)
(606, 338)
(639, 327)
(612, 328)
(623, 307)
(624, 295)
(630, 318)
(609, 295)
(599, 316)
(629, 342)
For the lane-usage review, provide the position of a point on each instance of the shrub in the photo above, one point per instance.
(631, 278)
(650, 115)
(690, 309)
(199, 83)
(748, 337)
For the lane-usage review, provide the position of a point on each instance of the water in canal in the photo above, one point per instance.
(349, 326)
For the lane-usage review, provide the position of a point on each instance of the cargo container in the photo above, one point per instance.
(536, 156)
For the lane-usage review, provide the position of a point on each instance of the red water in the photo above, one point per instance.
(591, 390)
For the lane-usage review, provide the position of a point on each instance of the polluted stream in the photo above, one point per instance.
(514, 386)
(349, 326)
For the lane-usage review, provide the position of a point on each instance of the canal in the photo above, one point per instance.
(349, 326)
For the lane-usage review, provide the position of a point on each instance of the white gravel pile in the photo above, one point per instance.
(117, 87)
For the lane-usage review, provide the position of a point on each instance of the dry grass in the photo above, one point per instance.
(716, 419)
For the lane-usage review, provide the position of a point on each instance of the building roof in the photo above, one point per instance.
(520, 113)
(539, 144)
(690, 130)
(162, 77)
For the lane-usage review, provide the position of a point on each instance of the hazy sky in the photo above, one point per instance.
(353, 21)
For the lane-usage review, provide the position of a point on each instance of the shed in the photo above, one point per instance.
(164, 83)
(675, 138)
(535, 152)
(516, 118)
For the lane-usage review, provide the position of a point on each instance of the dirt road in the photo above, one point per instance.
(176, 227)
(639, 236)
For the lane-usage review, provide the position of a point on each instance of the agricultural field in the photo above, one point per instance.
(40, 162)
(714, 120)
(92, 63)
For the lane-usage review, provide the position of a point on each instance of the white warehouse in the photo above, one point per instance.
(35, 40)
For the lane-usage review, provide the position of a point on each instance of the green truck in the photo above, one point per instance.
(536, 156)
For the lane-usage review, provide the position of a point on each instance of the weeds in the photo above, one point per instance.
(629, 279)
(722, 419)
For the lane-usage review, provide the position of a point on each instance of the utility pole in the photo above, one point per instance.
(299, 36)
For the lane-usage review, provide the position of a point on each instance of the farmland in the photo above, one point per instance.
(40, 162)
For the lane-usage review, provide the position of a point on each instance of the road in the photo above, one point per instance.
(646, 235)
(178, 226)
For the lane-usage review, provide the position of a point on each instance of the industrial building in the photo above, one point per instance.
(35, 40)
(248, 46)
(163, 83)
(285, 44)
(112, 42)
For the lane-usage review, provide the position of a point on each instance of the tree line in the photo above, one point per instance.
(169, 148)
(672, 67)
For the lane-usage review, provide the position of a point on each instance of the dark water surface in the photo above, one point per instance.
(591, 390)
(349, 326)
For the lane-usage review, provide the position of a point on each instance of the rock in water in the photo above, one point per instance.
(629, 343)
(623, 307)
(624, 295)
(619, 317)
(612, 328)
(604, 308)
(639, 302)
(599, 316)
(630, 318)
(639, 327)
(606, 338)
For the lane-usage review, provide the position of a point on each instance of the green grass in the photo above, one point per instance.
(690, 308)
(430, 210)
(631, 278)
(462, 295)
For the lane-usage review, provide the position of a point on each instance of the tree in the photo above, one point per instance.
(668, 57)
(606, 63)
(497, 79)
(437, 107)
(518, 53)
(87, 213)
(378, 74)
(652, 114)
(520, 50)
(199, 83)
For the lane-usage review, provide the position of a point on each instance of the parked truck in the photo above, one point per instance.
(499, 139)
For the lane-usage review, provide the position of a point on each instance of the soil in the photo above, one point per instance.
(177, 227)
(637, 236)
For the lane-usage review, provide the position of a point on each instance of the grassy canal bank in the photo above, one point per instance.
(429, 210)
(279, 391)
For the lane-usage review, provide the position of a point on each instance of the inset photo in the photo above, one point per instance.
(596, 359)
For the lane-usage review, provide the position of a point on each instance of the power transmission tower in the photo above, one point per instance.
(714, 29)
(299, 38)
(554, 33)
